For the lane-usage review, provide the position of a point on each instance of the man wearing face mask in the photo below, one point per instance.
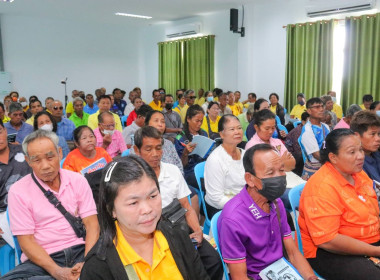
(173, 121)
(107, 136)
(336, 108)
(253, 228)
(299, 108)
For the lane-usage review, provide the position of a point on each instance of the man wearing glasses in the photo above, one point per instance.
(190, 99)
(16, 128)
(65, 126)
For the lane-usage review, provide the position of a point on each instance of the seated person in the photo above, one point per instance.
(329, 104)
(104, 103)
(276, 108)
(79, 117)
(235, 108)
(173, 121)
(3, 117)
(65, 126)
(200, 100)
(337, 109)
(35, 107)
(339, 215)
(299, 108)
(375, 107)
(149, 146)
(13, 167)
(181, 104)
(130, 107)
(183, 145)
(367, 101)
(190, 99)
(86, 152)
(224, 174)
(210, 122)
(91, 107)
(366, 125)
(156, 102)
(48, 241)
(245, 119)
(45, 121)
(313, 136)
(107, 136)
(136, 243)
(253, 231)
(223, 104)
(119, 101)
(16, 126)
(137, 103)
(209, 97)
(130, 130)
(345, 121)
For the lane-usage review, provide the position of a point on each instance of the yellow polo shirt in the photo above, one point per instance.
(235, 109)
(240, 105)
(183, 113)
(6, 119)
(213, 125)
(154, 106)
(297, 111)
(273, 109)
(93, 121)
(363, 107)
(30, 120)
(338, 111)
(163, 266)
(200, 101)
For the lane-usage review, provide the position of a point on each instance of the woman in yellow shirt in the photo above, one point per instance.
(135, 242)
(211, 121)
(181, 103)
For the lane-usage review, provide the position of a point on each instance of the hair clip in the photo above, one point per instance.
(324, 145)
(109, 172)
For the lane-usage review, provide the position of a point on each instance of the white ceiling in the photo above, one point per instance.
(104, 10)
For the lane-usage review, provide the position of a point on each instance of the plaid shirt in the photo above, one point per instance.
(65, 129)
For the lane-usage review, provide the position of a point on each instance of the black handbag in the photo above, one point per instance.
(175, 215)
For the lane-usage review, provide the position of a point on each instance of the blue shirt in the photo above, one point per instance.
(65, 129)
(120, 107)
(90, 110)
(63, 144)
(372, 166)
(24, 131)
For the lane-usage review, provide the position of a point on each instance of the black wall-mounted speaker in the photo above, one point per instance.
(234, 19)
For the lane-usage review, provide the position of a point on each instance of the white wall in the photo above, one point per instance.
(40, 52)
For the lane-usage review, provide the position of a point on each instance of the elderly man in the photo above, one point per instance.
(253, 228)
(190, 99)
(156, 102)
(35, 107)
(130, 130)
(65, 126)
(16, 128)
(236, 110)
(79, 117)
(49, 104)
(50, 245)
(70, 108)
(223, 104)
(346, 120)
(104, 103)
(107, 136)
(173, 121)
(91, 107)
(148, 145)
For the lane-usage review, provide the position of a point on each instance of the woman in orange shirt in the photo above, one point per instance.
(339, 213)
(86, 158)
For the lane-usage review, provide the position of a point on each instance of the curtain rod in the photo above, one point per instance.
(186, 39)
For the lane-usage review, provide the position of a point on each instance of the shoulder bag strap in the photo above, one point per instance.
(209, 126)
(131, 273)
(282, 238)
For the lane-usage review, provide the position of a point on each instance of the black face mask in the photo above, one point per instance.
(168, 106)
(273, 187)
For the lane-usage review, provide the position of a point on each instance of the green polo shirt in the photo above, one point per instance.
(79, 121)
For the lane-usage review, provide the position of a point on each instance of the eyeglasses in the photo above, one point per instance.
(57, 108)
(108, 125)
(317, 106)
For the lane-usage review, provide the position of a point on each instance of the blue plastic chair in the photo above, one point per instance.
(123, 120)
(296, 123)
(17, 245)
(62, 161)
(214, 229)
(7, 259)
(199, 171)
(126, 153)
(294, 199)
(304, 156)
(282, 127)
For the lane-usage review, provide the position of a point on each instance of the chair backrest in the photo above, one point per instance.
(62, 161)
(123, 120)
(126, 153)
(294, 199)
(304, 157)
(282, 127)
(214, 229)
(296, 123)
(199, 171)
(17, 245)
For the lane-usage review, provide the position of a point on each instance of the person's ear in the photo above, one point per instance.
(137, 151)
(357, 134)
(60, 153)
(333, 158)
(256, 127)
(252, 181)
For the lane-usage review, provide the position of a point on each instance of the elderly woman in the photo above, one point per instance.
(86, 152)
(346, 120)
(224, 171)
(135, 242)
(276, 108)
(339, 213)
(210, 122)
(45, 121)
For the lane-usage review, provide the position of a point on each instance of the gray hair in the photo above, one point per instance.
(100, 116)
(352, 110)
(326, 98)
(77, 99)
(38, 134)
(251, 109)
(188, 92)
(14, 107)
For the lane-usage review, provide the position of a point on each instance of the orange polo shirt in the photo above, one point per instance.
(330, 205)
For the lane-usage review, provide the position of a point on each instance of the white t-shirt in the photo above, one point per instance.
(172, 184)
(224, 177)
(309, 141)
(129, 108)
(128, 132)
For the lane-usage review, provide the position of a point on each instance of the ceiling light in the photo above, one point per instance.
(131, 15)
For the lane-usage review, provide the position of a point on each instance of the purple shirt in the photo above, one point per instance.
(248, 234)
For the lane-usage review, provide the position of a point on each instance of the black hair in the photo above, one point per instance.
(34, 101)
(300, 95)
(252, 94)
(249, 154)
(363, 120)
(263, 115)
(373, 105)
(146, 132)
(367, 98)
(154, 91)
(258, 102)
(104, 97)
(89, 94)
(181, 95)
(2, 106)
(114, 90)
(54, 123)
(218, 91)
(304, 116)
(1, 123)
(33, 97)
(168, 95)
(100, 116)
(225, 119)
(77, 133)
(134, 99)
(212, 103)
(143, 110)
(312, 101)
(121, 172)
(332, 143)
(192, 111)
(275, 94)
(150, 114)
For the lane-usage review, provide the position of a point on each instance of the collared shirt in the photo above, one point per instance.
(330, 205)
(172, 120)
(155, 106)
(6, 119)
(79, 121)
(213, 124)
(249, 234)
(200, 101)
(273, 108)
(240, 105)
(372, 166)
(183, 113)
(93, 121)
(31, 213)
(235, 109)
(172, 184)
(297, 111)
(14, 170)
(363, 107)
(121, 107)
(337, 110)
(128, 132)
(244, 124)
(163, 266)
(22, 132)
(65, 129)
(76, 162)
(130, 107)
(117, 145)
(70, 107)
(312, 138)
(90, 110)
(30, 120)
(275, 143)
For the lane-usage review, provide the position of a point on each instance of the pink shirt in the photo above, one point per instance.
(276, 143)
(31, 213)
(341, 124)
(117, 145)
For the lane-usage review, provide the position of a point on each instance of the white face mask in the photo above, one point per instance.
(47, 127)
(23, 104)
(106, 132)
(333, 98)
(378, 113)
(210, 98)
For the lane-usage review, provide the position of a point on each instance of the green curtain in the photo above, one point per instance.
(361, 59)
(187, 63)
(309, 60)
